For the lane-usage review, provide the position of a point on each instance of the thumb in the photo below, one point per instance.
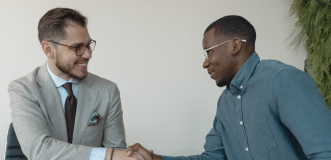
(129, 151)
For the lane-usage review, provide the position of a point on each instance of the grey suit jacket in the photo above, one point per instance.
(39, 121)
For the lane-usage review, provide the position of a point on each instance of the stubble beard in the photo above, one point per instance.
(65, 68)
(223, 82)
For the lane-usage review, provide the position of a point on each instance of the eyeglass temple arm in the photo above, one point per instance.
(216, 45)
(243, 40)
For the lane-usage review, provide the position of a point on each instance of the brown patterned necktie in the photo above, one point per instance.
(70, 110)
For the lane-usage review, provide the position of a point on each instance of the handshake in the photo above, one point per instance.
(134, 152)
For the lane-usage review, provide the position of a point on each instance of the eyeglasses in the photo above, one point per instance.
(80, 49)
(206, 50)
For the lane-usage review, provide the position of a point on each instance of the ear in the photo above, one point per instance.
(48, 49)
(236, 45)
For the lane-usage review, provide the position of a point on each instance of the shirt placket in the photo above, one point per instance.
(243, 136)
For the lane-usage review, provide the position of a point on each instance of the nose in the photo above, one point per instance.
(87, 54)
(205, 63)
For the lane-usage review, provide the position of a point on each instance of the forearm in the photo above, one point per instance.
(45, 147)
(117, 154)
(108, 153)
(38, 143)
(320, 156)
(156, 157)
(194, 157)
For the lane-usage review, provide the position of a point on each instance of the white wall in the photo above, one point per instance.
(152, 50)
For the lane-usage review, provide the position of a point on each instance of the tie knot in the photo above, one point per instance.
(68, 87)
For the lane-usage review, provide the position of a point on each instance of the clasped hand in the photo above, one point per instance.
(135, 152)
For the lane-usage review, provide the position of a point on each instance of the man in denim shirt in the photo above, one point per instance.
(268, 111)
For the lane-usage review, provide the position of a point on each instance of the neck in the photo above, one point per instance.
(56, 71)
(242, 58)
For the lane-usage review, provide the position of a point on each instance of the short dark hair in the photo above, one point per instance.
(232, 26)
(51, 25)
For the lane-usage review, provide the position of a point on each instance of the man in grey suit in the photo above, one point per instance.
(59, 110)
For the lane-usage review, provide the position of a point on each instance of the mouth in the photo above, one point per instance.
(84, 64)
(211, 73)
(81, 65)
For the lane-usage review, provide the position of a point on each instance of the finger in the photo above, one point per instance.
(141, 150)
(129, 151)
(145, 153)
(133, 148)
(128, 154)
(150, 151)
(140, 158)
(137, 155)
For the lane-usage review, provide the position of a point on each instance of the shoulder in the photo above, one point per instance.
(284, 71)
(284, 77)
(29, 80)
(274, 65)
(97, 81)
(276, 69)
(25, 85)
(101, 84)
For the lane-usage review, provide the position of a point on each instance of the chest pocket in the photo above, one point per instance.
(93, 135)
(260, 137)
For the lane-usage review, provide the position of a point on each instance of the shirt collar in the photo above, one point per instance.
(59, 81)
(245, 72)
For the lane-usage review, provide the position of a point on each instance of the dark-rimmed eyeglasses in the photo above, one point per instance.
(80, 49)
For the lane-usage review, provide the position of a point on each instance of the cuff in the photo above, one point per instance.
(167, 157)
(98, 153)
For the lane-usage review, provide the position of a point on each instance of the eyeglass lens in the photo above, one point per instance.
(80, 50)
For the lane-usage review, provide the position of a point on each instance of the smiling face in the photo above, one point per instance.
(65, 63)
(221, 63)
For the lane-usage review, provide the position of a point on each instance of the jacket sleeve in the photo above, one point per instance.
(114, 132)
(32, 129)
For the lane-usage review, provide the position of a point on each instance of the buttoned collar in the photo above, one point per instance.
(244, 74)
(59, 81)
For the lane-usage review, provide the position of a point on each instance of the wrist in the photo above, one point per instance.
(156, 157)
(108, 153)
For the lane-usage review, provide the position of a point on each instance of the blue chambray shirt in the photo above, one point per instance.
(270, 111)
(97, 153)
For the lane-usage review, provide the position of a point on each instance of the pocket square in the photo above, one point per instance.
(94, 119)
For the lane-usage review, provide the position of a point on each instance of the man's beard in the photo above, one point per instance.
(65, 68)
(223, 82)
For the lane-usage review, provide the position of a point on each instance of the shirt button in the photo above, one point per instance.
(241, 122)
(246, 148)
(239, 97)
(241, 87)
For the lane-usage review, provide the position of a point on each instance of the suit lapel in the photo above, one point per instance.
(52, 102)
(85, 106)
